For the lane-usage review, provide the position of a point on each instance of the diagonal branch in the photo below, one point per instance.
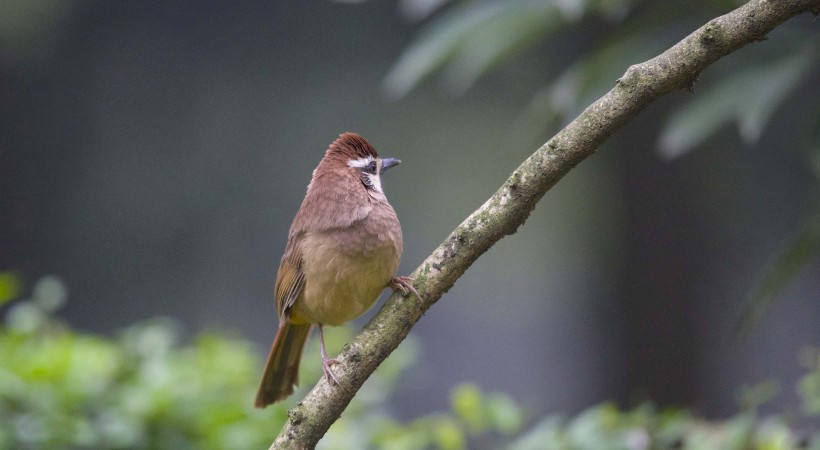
(509, 207)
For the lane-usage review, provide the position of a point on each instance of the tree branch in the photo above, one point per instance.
(509, 207)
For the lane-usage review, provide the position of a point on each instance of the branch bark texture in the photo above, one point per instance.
(502, 214)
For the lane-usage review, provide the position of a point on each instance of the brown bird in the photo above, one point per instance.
(343, 250)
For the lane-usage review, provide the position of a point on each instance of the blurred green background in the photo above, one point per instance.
(153, 154)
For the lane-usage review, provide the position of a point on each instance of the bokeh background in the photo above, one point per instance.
(153, 154)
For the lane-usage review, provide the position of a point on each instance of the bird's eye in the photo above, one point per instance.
(371, 167)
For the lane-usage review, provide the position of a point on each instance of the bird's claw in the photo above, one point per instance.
(327, 363)
(404, 285)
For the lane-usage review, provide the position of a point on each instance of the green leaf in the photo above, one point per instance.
(791, 259)
(420, 9)
(809, 387)
(771, 84)
(504, 415)
(754, 396)
(595, 428)
(748, 98)
(11, 286)
(584, 81)
(467, 401)
(546, 435)
(509, 30)
(449, 436)
(25, 318)
(472, 37)
(773, 434)
(437, 42)
(50, 293)
(698, 120)
(737, 432)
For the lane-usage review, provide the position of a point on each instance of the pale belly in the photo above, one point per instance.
(342, 285)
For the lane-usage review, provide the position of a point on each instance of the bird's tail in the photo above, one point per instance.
(282, 369)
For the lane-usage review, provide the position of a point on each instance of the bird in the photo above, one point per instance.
(343, 250)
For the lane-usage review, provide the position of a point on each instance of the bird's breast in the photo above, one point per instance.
(346, 269)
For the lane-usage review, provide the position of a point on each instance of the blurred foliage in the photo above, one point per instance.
(61, 388)
(809, 386)
(464, 40)
(719, 104)
(64, 389)
(10, 286)
(467, 39)
(793, 257)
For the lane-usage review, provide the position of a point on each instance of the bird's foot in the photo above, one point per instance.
(404, 285)
(327, 363)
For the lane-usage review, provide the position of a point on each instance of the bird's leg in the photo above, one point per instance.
(327, 362)
(404, 285)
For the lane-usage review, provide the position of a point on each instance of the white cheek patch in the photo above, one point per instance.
(373, 179)
(360, 163)
(376, 182)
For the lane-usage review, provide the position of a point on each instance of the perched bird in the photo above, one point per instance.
(343, 250)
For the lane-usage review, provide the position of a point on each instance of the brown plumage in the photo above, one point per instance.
(343, 250)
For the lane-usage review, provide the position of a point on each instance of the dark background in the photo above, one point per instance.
(153, 154)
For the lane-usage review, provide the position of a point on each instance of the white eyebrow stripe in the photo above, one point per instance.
(360, 163)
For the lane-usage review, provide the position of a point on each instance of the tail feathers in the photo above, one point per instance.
(282, 369)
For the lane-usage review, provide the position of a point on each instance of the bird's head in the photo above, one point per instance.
(354, 154)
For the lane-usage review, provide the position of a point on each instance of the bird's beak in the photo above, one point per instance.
(389, 162)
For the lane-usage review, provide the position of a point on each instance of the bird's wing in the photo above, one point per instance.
(291, 278)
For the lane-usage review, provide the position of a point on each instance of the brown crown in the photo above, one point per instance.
(352, 146)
